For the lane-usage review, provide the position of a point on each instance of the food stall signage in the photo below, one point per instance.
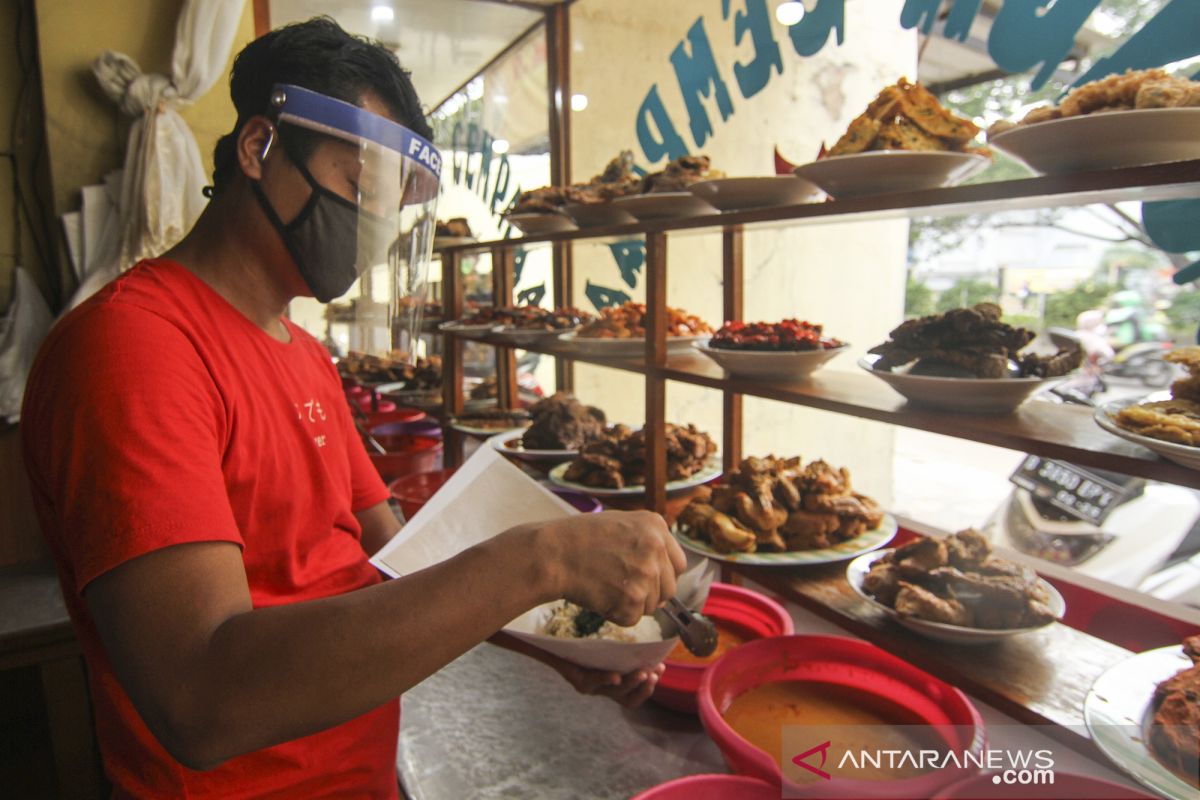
(1073, 489)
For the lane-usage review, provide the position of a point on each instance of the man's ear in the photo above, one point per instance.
(253, 143)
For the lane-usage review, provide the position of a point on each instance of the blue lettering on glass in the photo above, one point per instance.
(962, 15)
(1172, 35)
(603, 297)
(698, 77)
(630, 256)
(518, 264)
(485, 166)
(921, 13)
(811, 33)
(456, 146)
(474, 137)
(500, 190)
(667, 144)
(531, 296)
(754, 76)
(1026, 33)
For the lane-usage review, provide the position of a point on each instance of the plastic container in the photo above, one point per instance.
(711, 787)
(746, 612)
(396, 433)
(397, 414)
(849, 663)
(413, 491)
(372, 403)
(406, 455)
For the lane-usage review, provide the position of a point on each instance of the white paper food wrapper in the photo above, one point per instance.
(486, 496)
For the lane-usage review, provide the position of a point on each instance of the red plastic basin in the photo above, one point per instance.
(746, 612)
(842, 662)
(399, 414)
(406, 455)
(712, 787)
(413, 491)
(373, 404)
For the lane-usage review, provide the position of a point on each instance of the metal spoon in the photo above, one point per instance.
(696, 631)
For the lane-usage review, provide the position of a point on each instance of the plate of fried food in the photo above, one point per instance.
(1144, 714)
(614, 464)
(522, 325)
(905, 141)
(620, 331)
(956, 589)
(395, 371)
(665, 194)
(559, 426)
(1137, 117)
(781, 512)
(1166, 422)
(451, 232)
(788, 350)
(490, 421)
(966, 359)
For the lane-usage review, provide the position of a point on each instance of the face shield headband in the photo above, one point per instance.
(334, 240)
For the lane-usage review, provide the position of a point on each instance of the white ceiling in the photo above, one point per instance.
(443, 43)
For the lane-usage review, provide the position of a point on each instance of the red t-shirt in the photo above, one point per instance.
(157, 414)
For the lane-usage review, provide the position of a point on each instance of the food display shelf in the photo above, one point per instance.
(1044, 428)
(1170, 181)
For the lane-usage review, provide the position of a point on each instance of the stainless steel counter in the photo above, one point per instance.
(495, 724)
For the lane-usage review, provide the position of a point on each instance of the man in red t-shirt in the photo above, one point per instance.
(211, 509)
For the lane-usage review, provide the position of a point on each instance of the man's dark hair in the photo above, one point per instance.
(320, 56)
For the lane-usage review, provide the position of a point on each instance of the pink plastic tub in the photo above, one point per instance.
(746, 612)
(842, 662)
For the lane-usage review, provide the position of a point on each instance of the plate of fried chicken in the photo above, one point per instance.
(955, 589)
(613, 464)
(1144, 714)
(966, 359)
(782, 512)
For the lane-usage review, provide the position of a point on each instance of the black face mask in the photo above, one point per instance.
(323, 239)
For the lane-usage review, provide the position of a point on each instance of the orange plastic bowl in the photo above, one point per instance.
(406, 455)
(747, 613)
(842, 662)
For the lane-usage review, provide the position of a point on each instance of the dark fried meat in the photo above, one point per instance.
(881, 583)
(968, 549)
(914, 601)
(1174, 735)
(560, 422)
(617, 457)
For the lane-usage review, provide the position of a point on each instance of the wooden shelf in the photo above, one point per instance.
(1170, 181)
(1038, 678)
(1041, 427)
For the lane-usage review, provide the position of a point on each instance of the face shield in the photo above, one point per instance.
(372, 215)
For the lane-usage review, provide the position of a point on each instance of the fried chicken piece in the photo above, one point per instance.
(805, 530)
(920, 556)
(724, 498)
(902, 134)
(998, 601)
(679, 174)
(1191, 648)
(919, 105)
(882, 583)
(724, 533)
(757, 517)
(1042, 114)
(1170, 420)
(592, 469)
(1174, 734)
(1037, 366)
(787, 493)
(821, 478)
(914, 601)
(547, 199)
(967, 549)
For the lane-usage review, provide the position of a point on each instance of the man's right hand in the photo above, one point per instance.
(621, 564)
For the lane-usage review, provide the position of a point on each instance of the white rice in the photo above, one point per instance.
(561, 624)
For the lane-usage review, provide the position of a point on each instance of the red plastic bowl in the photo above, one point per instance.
(712, 787)
(1066, 786)
(749, 613)
(373, 404)
(414, 491)
(399, 414)
(407, 455)
(839, 661)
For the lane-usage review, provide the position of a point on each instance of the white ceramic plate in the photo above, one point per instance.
(522, 336)
(867, 542)
(887, 171)
(711, 471)
(664, 205)
(626, 348)
(509, 443)
(1183, 454)
(1106, 140)
(486, 433)
(450, 241)
(857, 570)
(594, 215)
(969, 395)
(466, 331)
(771, 364)
(731, 194)
(537, 222)
(1118, 709)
